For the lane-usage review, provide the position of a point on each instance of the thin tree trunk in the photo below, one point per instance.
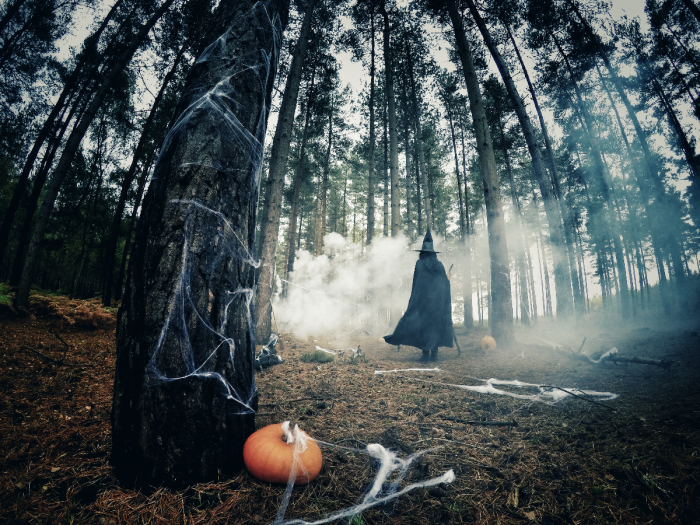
(393, 133)
(407, 141)
(579, 303)
(127, 243)
(501, 306)
(662, 205)
(385, 167)
(324, 182)
(562, 272)
(298, 179)
(49, 126)
(370, 175)
(275, 181)
(76, 137)
(419, 142)
(519, 247)
(603, 181)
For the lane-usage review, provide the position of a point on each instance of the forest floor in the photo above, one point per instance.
(633, 459)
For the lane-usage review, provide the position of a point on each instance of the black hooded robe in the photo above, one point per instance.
(427, 322)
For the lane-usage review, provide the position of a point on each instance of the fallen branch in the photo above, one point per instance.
(291, 401)
(663, 363)
(482, 423)
(576, 395)
(56, 361)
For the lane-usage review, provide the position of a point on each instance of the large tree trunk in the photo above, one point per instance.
(184, 390)
(501, 307)
(72, 145)
(111, 248)
(278, 165)
(562, 272)
(393, 134)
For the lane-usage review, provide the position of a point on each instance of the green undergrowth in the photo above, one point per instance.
(317, 357)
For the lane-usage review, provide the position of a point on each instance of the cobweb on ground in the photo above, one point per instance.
(547, 394)
(391, 472)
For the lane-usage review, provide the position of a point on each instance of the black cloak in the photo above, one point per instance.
(427, 322)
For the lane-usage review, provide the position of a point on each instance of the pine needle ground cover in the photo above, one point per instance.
(635, 460)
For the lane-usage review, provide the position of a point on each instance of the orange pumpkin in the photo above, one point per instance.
(269, 458)
(488, 343)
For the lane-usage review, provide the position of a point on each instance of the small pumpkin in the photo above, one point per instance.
(488, 343)
(268, 457)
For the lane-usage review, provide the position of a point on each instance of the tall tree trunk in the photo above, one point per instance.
(385, 169)
(465, 268)
(652, 224)
(579, 303)
(370, 175)
(562, 272)
(111, 249)
(603, 181)
(298, 179)
(519, 246)
(407, 140)
(662, 206)
(501, 307)
(324, 182)
(132, 223)
(419, 143)
(418, 190)
(275, 181)
(50, 125)
(72, 145)
(393, 133)
(185, 329)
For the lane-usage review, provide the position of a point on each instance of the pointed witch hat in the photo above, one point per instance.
(427, 243)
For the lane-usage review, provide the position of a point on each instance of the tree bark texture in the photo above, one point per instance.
(112, 240)
(184, 390)
(501, 307)
(278, 165)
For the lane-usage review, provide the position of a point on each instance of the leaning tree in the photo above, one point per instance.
(184, 391)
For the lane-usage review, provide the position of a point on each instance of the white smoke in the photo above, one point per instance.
(348, 288)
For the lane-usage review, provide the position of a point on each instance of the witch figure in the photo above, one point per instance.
(427, 323)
